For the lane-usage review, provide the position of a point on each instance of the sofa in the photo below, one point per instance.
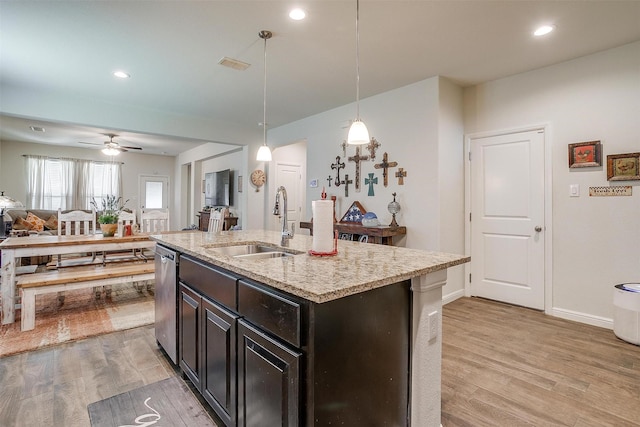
(35, 221)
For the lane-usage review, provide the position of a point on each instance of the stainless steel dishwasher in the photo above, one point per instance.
(166, 263)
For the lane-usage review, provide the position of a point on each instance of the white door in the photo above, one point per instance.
(289, 176)
(153, 192)
(507, 214)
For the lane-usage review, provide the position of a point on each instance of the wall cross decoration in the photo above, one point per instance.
(346, 183)
(372, 147)
(344, 148)
(400, 175)
(386, 164)
(370, 181)
(357, 159)
(329, 180)
(337, 166)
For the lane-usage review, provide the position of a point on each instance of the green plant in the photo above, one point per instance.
(109, 210)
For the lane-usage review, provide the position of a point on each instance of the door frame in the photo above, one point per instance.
(548, 199)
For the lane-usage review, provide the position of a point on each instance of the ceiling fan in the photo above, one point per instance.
(111, 144)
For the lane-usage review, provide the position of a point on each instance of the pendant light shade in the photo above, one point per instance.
(110, 151)
(264, 153)
(358, 133)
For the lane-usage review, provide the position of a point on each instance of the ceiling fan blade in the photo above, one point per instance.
(131, 148)
(88, 143)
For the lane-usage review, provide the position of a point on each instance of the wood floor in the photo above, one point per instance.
(502, 366)
(511, 366)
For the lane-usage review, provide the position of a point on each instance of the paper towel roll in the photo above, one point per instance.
(322, 226)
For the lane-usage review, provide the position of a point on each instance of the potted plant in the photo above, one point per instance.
(108, 213)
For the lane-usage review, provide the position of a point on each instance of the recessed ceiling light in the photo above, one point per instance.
(36, 128)
(544, 29)
(121, 74)
(297, 14)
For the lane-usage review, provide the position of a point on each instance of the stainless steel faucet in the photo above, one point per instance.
(286, 234)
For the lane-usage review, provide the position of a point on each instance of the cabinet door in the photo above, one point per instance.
(190, 307)
(220, 373)
(268, 380)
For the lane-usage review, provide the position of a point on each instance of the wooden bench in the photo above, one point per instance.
(75, 278)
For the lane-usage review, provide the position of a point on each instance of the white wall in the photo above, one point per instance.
(596, 240)
(13, 167)
(406, 122)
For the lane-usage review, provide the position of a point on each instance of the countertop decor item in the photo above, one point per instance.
(394, 208)
(370, 219)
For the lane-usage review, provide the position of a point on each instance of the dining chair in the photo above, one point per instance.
(126, 218)
(216, 220)
(76, 222)
(154, 220)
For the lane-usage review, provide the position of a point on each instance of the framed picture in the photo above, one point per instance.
(239, 183)
(585, 154)
(623, 167)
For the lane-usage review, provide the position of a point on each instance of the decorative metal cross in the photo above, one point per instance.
(372, 147)
(329, 180)
(346, 183)
(337, 166)
(400, 175)
(386, 164)
(370, 181)
(357, 159)
(344, 148)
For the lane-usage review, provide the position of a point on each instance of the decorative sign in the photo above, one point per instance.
(620, 190)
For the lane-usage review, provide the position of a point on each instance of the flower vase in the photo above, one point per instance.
(108, 230)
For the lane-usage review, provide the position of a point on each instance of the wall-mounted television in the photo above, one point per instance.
(218, 188)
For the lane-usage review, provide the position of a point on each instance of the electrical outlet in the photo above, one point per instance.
(433, 325)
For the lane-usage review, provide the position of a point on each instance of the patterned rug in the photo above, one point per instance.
(80, 316)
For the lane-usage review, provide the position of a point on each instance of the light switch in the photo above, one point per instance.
(574, 190)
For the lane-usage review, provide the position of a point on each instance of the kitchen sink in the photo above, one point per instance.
(254, 251)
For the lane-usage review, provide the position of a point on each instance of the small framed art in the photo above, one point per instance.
(623, 167)
(239, 183)
(585, 154)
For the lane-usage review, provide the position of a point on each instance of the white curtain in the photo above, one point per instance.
(70, 183)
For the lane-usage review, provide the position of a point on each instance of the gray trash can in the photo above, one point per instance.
(626, 315)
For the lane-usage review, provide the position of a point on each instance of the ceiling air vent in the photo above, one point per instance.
(234, 63)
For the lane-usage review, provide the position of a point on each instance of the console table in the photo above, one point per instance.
(228, 222)
(382, 234)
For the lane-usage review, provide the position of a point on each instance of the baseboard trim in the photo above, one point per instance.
(446, 299)
(589, 319)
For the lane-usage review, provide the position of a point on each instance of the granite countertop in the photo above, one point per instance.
(356, 268)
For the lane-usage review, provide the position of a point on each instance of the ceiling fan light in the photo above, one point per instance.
(264, 154)
(358, 133)
(110, 151)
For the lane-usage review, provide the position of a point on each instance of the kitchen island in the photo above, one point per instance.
(352, 338)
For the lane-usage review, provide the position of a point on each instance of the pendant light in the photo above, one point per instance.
(358, 133)
(264, 153)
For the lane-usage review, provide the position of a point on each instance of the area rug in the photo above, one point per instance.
(81, 315)
(168, 402)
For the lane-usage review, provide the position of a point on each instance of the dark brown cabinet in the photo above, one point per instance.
(263, 357)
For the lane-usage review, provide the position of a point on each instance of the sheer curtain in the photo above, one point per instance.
(70, 183)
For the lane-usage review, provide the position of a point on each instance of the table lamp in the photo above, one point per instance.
(6, 202)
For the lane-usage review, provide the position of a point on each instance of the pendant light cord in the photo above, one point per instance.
(357, 61)
(264, 106)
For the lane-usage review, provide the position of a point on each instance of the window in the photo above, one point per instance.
(69, 183)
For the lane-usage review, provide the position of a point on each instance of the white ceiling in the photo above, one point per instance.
(172, 49)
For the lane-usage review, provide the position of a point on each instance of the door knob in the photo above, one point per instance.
(538, 229)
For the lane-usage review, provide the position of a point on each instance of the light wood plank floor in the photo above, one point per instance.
(502, 366)
(511, 366)
(52, 387)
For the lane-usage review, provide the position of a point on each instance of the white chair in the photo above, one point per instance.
(154, 220)
(216, 221)
(126, 218)
(76, 222)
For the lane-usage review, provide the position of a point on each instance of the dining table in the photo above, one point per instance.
(14, 248)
